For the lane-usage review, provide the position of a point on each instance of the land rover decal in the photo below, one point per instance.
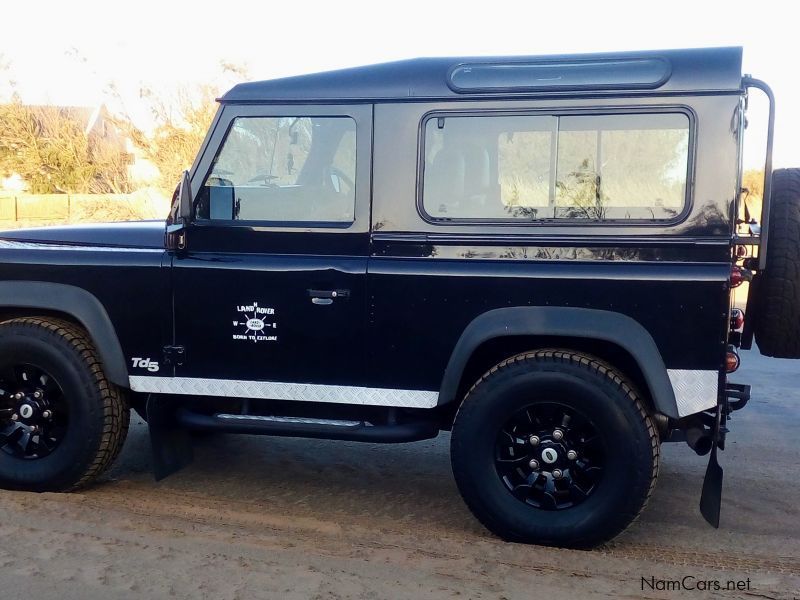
(255, 323)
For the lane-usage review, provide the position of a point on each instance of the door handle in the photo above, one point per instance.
(326, 297)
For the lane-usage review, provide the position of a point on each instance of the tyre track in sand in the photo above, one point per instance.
(172, 527)
(279, 518)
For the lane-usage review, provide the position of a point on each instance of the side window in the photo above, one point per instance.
(292, 169)
(542, 167)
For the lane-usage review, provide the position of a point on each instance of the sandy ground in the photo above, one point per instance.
(279, 518)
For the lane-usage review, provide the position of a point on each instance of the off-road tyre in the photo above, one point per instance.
(98, 412)
(777, 323)
(588, 386)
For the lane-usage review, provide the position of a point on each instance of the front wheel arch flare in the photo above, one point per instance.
(80, 306)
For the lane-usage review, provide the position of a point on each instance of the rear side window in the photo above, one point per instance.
(549, 167)
(292, 169)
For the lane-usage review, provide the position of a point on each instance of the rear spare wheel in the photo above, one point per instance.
(777, 324)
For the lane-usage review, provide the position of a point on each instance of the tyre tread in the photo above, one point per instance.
(114, 405)
(777, 325)
(598, 367)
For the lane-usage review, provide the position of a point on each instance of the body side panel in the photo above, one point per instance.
(120, 295)
(669, 279)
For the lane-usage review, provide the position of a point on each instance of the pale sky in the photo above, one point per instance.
(162, 44)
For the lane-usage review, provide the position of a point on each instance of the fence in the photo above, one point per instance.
(31, 210)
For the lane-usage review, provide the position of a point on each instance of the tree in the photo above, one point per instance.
(49, 148)
(753, 183)
(181, 128)
(181, 121)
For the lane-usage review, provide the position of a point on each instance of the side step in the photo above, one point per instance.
(354, 431)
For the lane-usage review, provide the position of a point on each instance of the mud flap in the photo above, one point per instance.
(711, 497)
(171, 444)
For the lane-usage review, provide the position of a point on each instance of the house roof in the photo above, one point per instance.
(630, 73)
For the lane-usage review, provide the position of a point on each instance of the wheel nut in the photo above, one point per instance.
(47, 414)
(557, 473)
(37, 394)
(534, 440)
(534, 464)
(14, 417)
(19, 396)
(558, 435)
(572, 455)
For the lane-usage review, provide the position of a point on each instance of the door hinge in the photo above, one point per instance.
(174, 355)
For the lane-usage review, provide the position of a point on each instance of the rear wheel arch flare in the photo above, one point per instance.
(601, 333)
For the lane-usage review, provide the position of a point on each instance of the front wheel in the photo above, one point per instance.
(62, 422)
(554, 447)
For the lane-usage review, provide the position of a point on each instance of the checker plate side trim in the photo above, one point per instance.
(695, 390)
(276, 390)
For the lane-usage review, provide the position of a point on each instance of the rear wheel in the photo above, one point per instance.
(554, 447)
(62, 423)
(777, 324)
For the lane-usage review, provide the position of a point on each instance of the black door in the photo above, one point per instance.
(271, 284)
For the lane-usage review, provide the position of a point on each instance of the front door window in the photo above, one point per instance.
(283, 169)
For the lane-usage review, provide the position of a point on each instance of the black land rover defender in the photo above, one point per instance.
(534, 253)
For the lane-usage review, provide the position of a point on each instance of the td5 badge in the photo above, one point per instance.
(145, 363)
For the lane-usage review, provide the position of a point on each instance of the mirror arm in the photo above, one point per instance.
(175, 234)
(185, 202)
(175, 237)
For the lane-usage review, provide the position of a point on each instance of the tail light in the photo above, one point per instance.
(737, 319)
(737, 276)
(732, 360)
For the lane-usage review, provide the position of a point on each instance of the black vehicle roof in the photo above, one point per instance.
(700, 70)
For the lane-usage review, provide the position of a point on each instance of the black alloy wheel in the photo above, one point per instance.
(62, 422)
(554, 447)
(550, 456)
(34, 415)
